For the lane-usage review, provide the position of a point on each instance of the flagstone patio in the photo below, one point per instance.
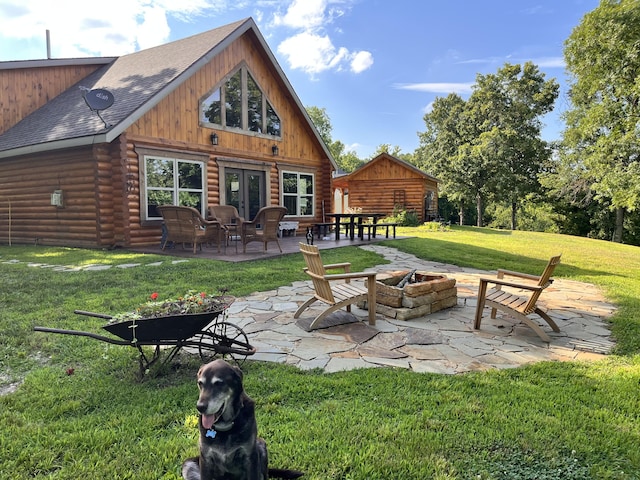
(443, 342)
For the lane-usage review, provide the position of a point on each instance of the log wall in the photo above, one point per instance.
(384, 177)
(26, 213)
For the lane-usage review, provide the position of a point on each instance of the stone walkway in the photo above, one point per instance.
(443, 342)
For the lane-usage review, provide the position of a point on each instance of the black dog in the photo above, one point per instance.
(310, 235)
(229, 445)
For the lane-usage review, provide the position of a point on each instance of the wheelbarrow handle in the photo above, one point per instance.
(92, 314)
(82, 334)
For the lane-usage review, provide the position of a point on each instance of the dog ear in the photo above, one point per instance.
(238, 371)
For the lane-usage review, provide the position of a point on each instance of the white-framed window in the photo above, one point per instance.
(172, 181)
(298, 193)
(239, 103)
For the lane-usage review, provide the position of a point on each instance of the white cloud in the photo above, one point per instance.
(78, 29)
(460, 88)
(361, 61)
(549, 62)
(543, 62)
(312, 53)
(304, 14)
(311, 49)
(124, 26)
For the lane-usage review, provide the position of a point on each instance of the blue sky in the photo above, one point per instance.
(374, 65)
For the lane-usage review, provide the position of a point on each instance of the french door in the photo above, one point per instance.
(245, 190)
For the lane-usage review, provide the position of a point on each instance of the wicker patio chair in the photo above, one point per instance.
(186, 225)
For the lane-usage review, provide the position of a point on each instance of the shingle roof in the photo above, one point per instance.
(379, 158)
(138, 81)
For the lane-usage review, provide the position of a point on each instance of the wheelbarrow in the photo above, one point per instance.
(171, 333)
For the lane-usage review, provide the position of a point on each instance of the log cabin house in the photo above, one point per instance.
(385, 183)
(206, 120)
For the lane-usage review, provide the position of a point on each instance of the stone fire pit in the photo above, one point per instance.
(421, 294)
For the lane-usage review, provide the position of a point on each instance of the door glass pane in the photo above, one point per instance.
(254, 105)
(255, 193)
(233, 101)
(232, 186)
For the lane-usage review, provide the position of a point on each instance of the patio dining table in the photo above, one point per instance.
(355, 220)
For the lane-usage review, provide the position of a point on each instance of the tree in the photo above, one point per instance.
(509, 105)
(442, 149)
(489, 147)
(346, 160)
(603, 58)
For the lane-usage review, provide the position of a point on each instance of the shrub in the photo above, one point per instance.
(403, 217)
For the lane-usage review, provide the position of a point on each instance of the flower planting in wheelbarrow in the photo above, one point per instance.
(195, 320)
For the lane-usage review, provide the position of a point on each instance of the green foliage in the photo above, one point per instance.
(489, 147)
(347, 161)
(403, 217)
(601, 138)
(533, 216)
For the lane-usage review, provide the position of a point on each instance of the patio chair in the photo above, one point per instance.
(336, 290)
(225, 214)
(519, 305)
(228, 216)
(263, 228)
(186, 225)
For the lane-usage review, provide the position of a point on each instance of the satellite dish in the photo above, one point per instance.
(99, 99)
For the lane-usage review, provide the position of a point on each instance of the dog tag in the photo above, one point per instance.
(211, 434)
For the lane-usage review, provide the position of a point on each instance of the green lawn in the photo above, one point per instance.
(543, 421)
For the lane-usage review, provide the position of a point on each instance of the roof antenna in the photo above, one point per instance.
(48, 46)
(97, 100)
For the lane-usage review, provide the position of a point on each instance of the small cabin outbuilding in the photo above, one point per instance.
(386, 183)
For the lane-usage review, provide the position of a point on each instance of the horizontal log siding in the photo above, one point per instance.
(360, 195)
(27, 184)
(135, 233)
(372, 187)
(24, 90)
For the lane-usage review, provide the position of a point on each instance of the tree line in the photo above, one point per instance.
(496, 170)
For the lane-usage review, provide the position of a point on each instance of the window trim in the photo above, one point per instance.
(144, 155)
(299, 195)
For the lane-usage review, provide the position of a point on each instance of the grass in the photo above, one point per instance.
(543, 421)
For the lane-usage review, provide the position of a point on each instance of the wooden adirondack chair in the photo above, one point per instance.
(186, 225)
(336, 290)
(519, 306)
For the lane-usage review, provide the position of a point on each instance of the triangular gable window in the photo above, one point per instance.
(238, 103)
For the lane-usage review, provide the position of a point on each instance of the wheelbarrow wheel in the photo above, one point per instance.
(225, 340)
